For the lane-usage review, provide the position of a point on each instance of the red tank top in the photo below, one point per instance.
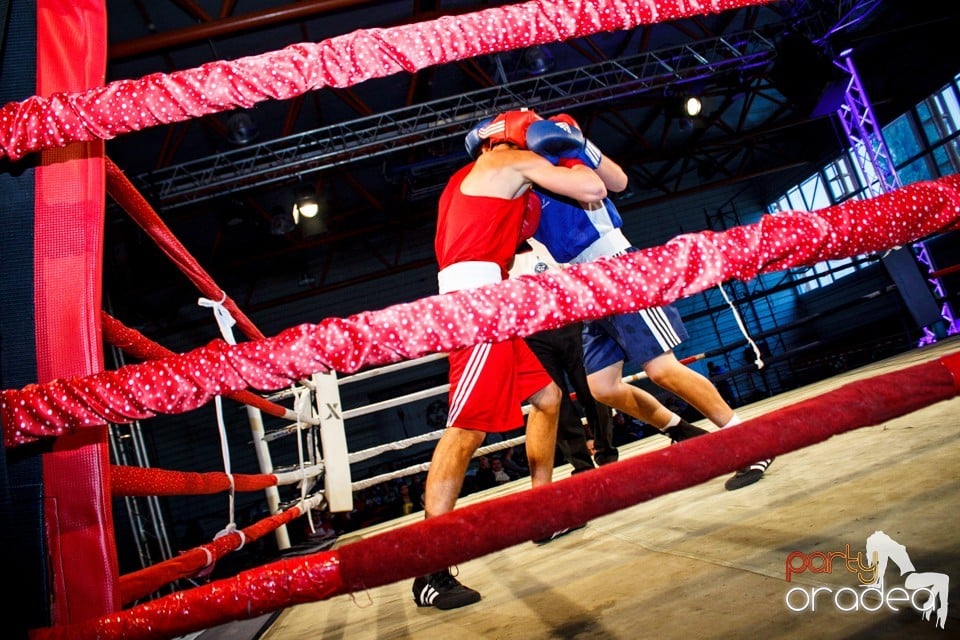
(477, 227)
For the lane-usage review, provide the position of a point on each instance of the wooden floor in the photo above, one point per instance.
(705, 562)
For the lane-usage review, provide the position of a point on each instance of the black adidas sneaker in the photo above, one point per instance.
(683, 431)
(748, 475)
(443, 591)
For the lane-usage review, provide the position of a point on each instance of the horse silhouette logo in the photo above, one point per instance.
(882, 549)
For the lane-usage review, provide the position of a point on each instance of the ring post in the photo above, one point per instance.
(333, 443)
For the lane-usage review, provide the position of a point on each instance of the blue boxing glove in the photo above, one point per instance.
(555, 139)
(473, 142)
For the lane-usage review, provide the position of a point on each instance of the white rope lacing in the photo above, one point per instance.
(232, 528)
(226, 322)
(208, 566)
(302, 405)
(743, 329)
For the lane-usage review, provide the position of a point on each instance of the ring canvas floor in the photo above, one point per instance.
(705, 562)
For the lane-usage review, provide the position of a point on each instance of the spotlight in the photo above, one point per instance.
(685, 109)
(241, 129)
(807, 76)
(305, 203)
(692, 106)
(310, 208)
(280, 223)
(537, 60)
(307, 207)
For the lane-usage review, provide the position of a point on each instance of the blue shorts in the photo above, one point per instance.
(634, 338)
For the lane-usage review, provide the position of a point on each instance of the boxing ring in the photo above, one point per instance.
(699, 562)
(57, 408)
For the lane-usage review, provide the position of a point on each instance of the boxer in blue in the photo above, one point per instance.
(575, 232)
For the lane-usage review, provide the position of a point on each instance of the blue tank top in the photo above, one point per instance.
(566, 229)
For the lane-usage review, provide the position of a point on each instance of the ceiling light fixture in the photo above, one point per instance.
(692, 106)
(537, 60)
(241, 129)
(305, 203)
(280, 223)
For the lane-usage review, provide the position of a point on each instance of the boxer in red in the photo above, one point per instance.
(485, 211)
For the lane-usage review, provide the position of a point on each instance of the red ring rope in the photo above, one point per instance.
(483, 528)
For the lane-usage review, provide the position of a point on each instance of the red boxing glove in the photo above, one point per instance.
(566, 119)
(531, 217)
(570, 162)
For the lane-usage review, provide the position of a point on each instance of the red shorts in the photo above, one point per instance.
(489, 382)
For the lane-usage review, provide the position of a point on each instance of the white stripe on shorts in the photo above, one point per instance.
(467, 381)
(660, 327)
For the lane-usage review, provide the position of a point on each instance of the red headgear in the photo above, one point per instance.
(509, 126)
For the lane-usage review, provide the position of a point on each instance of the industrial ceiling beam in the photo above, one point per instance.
(275, 161)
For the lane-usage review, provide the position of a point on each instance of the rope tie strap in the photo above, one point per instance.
(232, 528)
(301, 404)
(743, 329)
(209, 565)
(225, 321)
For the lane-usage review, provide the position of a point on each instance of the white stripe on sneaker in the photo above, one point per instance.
(428, 594)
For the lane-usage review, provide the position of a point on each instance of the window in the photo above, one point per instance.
(903, 139)
(841, 178)
(835, 183)
(923, 144)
